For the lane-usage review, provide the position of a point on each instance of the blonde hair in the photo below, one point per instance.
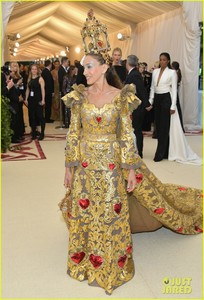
(30, 74)
(17, 72)
(117, 49)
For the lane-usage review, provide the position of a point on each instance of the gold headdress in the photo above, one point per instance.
(95, 36)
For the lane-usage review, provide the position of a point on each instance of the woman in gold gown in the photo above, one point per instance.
(56, 99)
(108, 179)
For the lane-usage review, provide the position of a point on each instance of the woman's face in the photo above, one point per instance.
(57, 65)
(14, 68)
(163, 61)
(116, 57)
(93, 71)
(141, 69)
(34, 70)
(73, 72)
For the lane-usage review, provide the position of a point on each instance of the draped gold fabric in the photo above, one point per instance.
(100, 149)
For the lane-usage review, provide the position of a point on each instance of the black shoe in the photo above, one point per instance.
(49, 121)
(41, 137)
(15, 141)
(22, 138)
(141, 155)
(156, 159)
(37, 133)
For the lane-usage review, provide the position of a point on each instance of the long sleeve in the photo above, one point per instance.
(129, 156)
(167, 83)
(72, 151)
(151, 96)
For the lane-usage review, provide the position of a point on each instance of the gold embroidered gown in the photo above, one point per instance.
(100, 150)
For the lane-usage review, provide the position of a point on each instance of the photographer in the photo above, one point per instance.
(11, 81)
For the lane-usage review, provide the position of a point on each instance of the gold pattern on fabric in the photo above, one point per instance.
(100, 149)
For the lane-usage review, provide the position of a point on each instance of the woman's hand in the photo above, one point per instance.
(131, 181)
(149, 108)
(20, 82)
(26, 102)
(20, 98)
(172, 111)
(68, 178)
(42, 103)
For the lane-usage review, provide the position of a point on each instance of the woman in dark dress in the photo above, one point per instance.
(119, 68)
(35, 99)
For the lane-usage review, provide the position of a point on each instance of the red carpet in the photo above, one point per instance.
(29, 149)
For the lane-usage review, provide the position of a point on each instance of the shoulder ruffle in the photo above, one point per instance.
(127, 94)
(75, 96)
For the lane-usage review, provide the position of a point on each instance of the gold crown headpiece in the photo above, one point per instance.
(95, 37)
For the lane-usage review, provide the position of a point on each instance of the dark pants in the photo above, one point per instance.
(36, 116)
(137, 123)
(48, 106)
(162, 104)
(21, 119)
(15, 121)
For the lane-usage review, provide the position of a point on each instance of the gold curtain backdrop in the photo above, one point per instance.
(47, 27)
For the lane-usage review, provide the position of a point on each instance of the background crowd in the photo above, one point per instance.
(40, 87)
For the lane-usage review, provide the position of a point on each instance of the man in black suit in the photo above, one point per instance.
(61, 73)
(49, 90)
(138, 114)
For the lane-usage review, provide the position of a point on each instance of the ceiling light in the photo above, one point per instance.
(17, 44)
(62, 53)
(15, 49)
(77, 50)
(122, 37)
(119, 36)
(14, 54)
(14, 37)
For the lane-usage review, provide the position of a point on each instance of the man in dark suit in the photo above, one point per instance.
(61, 73)
(138, 114)
(49, 90)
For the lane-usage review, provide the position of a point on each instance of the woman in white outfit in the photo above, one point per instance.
(172, 143)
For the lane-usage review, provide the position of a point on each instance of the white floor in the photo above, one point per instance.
(34, 236)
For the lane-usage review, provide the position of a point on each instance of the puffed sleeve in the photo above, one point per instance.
(73, 100)
(128, 102)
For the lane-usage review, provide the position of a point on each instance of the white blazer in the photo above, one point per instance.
(167, 83)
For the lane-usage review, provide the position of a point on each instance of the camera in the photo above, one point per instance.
(5, 70)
